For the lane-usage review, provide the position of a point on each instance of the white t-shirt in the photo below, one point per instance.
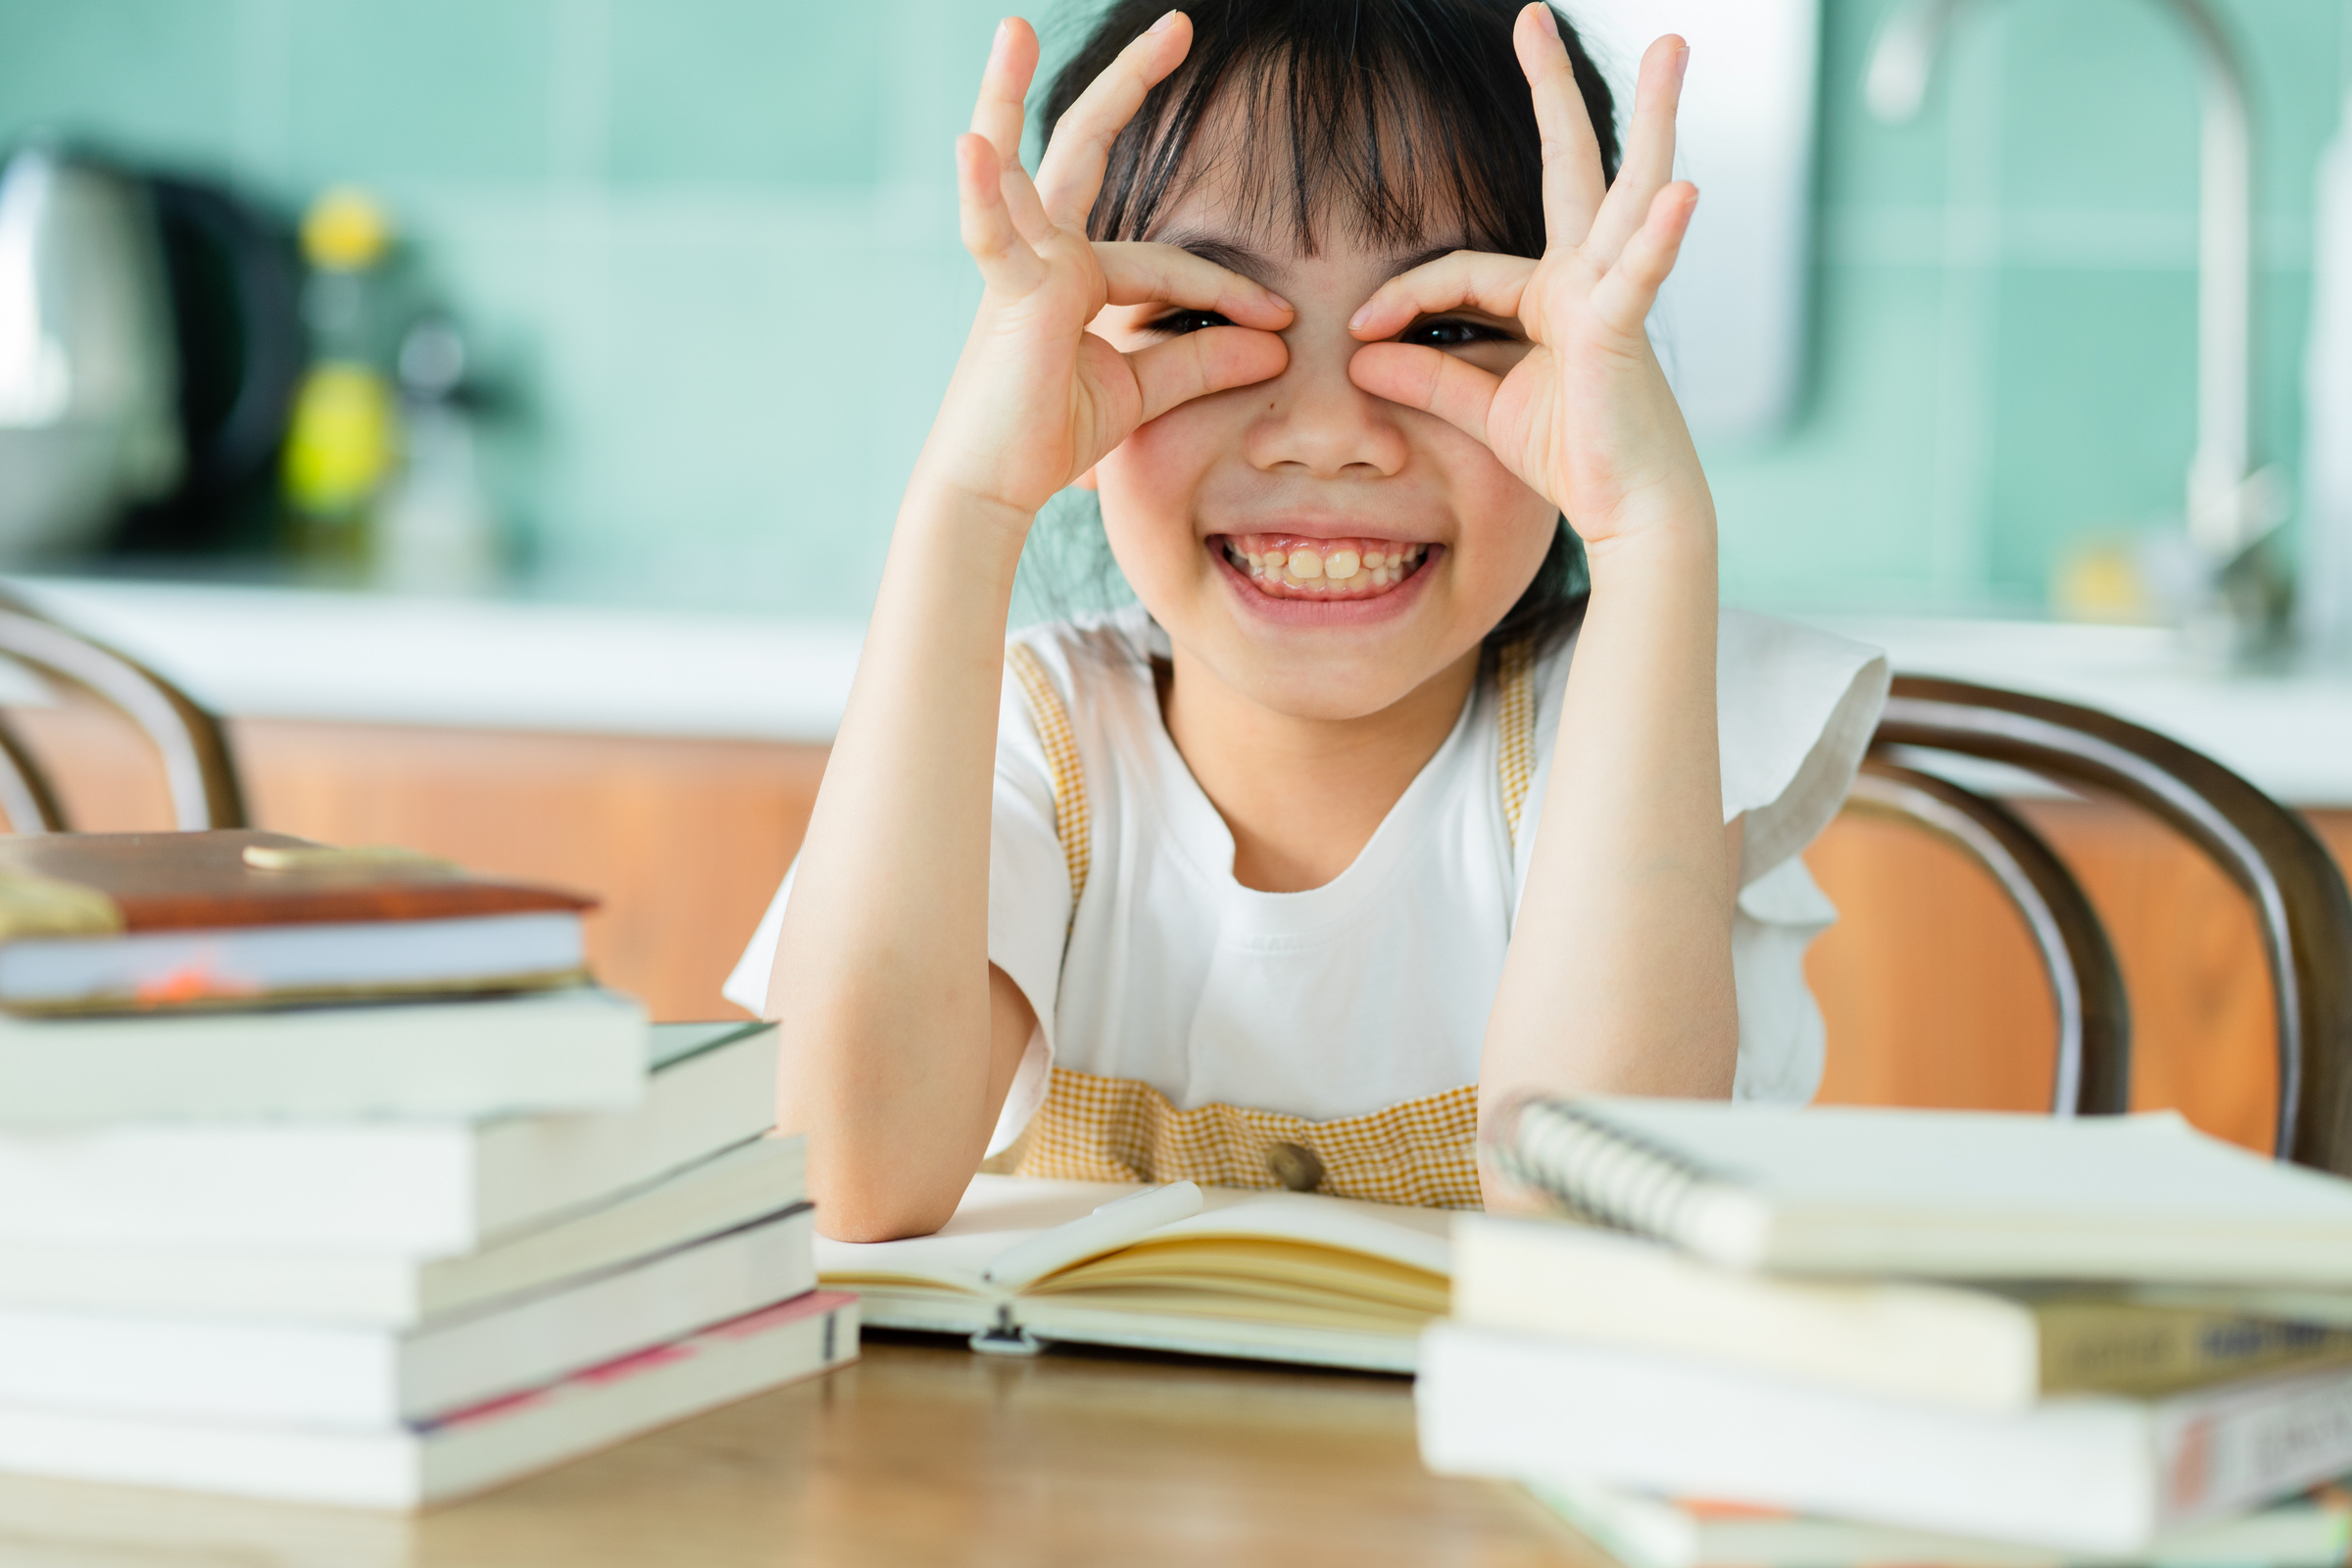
(1375, 987)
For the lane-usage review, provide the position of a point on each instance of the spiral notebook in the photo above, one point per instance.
(1954, 1194)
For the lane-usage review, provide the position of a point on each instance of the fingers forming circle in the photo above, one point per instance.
(1429, 379)
(1495, 284)
(1137, 274)
(1216, 359)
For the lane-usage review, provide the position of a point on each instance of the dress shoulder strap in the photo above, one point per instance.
(1515, 717)
(1072, 826)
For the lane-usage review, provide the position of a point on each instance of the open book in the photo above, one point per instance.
(1205, 1271)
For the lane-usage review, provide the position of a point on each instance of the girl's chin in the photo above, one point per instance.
(1328, 613)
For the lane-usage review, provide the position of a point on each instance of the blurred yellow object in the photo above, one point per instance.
(343, 439)
(346, 230)
(2103, 580)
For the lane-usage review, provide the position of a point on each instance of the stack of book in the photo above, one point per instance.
(328, 1176)
(1829, 1336)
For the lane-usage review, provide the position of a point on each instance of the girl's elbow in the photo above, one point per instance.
(853, 1210)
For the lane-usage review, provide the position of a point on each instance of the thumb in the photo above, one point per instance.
(1215, 359)
(1425, 378)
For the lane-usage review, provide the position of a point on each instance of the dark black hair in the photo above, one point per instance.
(1399, 115)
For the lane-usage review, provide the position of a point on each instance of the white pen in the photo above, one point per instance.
(1108, 1228)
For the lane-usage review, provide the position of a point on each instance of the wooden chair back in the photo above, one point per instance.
(199, 772)
(2301, 906)
(2095, 1012)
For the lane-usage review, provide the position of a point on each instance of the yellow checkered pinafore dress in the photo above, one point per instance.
(1094, 1128)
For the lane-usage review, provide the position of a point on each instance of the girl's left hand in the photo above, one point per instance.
(1586, 418)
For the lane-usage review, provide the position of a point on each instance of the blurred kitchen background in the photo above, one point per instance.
(505, 431)
(701, 257)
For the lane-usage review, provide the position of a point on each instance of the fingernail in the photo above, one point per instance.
(1279, 303)
(1682, 63)
(1165, 23)
(1550, 21)
(997, 42)
(1359, 318)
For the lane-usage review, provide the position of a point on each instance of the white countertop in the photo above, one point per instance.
(288, 653)
(488, 664)
(2289, 733)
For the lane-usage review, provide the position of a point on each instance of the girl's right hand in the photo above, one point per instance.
(1037, 399)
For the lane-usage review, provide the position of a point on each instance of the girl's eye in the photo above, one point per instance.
(1452, 332)
(1178, 323)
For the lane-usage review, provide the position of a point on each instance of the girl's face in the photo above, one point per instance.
(1321, 550)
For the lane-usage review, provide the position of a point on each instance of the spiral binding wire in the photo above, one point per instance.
(1604, 1175)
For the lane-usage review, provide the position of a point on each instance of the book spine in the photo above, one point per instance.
(2233, 1448)
(1603, 1175)
(2121, 1348)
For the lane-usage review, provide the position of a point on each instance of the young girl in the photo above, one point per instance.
(1339, 308)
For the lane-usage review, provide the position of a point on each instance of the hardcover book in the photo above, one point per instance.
(133, 922)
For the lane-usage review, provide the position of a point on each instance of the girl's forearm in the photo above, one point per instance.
(1619, 976)
(881, 980)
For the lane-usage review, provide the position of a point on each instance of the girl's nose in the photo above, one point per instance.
(1312, 419)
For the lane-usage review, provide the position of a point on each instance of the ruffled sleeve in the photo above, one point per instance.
(1795, 709)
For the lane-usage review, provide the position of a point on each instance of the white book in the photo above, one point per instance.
(416, 1188)
(2094, 1474)
(406, 1467)
(1953, 1195)
(576, 1048)
(1640, 1531)
(1993, 1347)
(335, 1375)
(388, 1290)
(1201, 1271)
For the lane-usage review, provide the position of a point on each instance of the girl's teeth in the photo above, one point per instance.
(1336, 570)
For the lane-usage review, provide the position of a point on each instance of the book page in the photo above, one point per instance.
(997, 1213)
(1416, 1238)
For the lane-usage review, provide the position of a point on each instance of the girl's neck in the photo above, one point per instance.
(1303, 796)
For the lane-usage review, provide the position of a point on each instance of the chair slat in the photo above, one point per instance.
(2299, 898)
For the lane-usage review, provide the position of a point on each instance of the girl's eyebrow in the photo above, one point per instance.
(1224, 253)
(1402, 265)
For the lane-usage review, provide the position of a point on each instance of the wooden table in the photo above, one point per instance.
(923, 1453)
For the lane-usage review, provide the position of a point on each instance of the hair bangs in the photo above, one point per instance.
(1397, 118)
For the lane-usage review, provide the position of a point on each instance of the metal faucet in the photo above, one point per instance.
(2231, 507)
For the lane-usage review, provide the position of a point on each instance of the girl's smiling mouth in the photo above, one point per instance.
(1283, 566)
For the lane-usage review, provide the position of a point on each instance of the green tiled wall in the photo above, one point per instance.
(714, 240)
